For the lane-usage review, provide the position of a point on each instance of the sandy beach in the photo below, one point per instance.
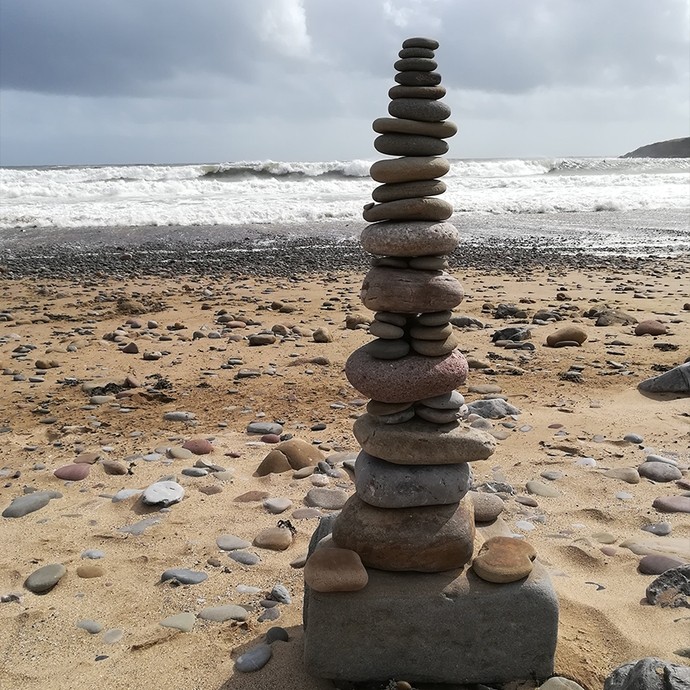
(192, 353)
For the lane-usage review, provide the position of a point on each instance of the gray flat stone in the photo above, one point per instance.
(92, 627)
(184, 576)
(163, 494)
(254, 659)
(329, 499)
(180, 621)
(245, 557)
(494, 408)
(140, 527)
(220, 614)
(229, 542)
(263, 428)
(387, 485)
(659, 471)
(649, 674)
(45, 578)
(30, 503)
(676, 380)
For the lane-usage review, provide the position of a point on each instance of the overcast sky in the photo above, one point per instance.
(177, 81)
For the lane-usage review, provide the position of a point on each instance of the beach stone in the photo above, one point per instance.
(559, 683)
(426, 539)
(409, 169)
(409, 290)
(198, 446)
(417, 78)
(418, 108)
(184, 576)
(220, 614)
(91, 626)
(493, 408)
(183, 622)
(633, 438)
(74, 472)
(433, 605)
(388, 349)
(275, 462)
(671, 588)
(45, 578)
(650, 327)
(439, 130)
(416, 52)
(434, 348)
(245, 557)
(409, 64)
(251, 496)
(428, 263)
(179, 416)
(229, 542)
(88, 457)
(180, 453)
(453, 400)
(294, 454)
(534, 486)
(661, 529)
(655, 564)
(29, 503)
(626, 474)
(433, 92)
(659, 471)
(431, 332)
(441, 417)
(649, 673)
(672, 504)
(660, 458)
(254, 659)
(410, 239)
(329, 499)
(113, 468)
(94, 554)
(384, 330)
(405, 380)
(164, 493)
(420, 42)
(421, 443)
(387, 485)
(275, 506)
(334, 569)
(262, 428)
(487, 507)
(276, 634)
(504, 559)
(395, 144)
(89, 571)
(567, 334)
(274, 539)
(676, 380)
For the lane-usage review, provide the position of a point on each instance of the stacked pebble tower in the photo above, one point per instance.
(398, 549)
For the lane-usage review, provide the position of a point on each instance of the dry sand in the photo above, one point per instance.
(604, 620)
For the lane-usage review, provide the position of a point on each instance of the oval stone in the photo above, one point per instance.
(410, 145)
(410, 240)
(659, 471)
(409, 291)
(420, 42)
(411, 378)
(415, 52)
(415, 64)
(74, 472)
(433, 93)
(434, 348)
(408, 190)
(429, 539)
(45, 578)
(417, 78)
(409, 209)
(419, 108)
(330, 569)
(567, 334)
(387, 485)
(383, 348)
(439, 130)
(409, 169)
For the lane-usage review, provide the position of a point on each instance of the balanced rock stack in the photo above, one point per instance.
(409, 607)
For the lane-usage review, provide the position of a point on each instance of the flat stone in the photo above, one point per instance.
(440, 417)
(409, 169)
(446, 401)
(655, 564)
(626, 474)
(113, 468)
(387, 331)
(408, 190)
(45, 578)
(335, 570)
(428, 263)
(254, 659)
(274, 539)
(29, 503)
(220, 614)
(229, 542)
(409, 64)
(418, 108)
(430, 605)
(432, 92)
(659, 471)
(671, 588)
(184, 576)
(418, 78)
(329, 499)
(251, 496)
(262, 428)
(438, 130)
(89, 571)
(198, 446)
(179, 416)
(487, 507)
(427, 539)
(183, 622)
(275, 506)
(504, 559)
(424, 208)
(431, 332)
(493, 408)
(672, 504)
(411, 378)
(534, 486)
(649, 673)
(388, 349)
(434, 348)
(676, 380)
(420, 443)
(387, 485)
(567, 334)
(138, 528)
(163, 494)
(661, 529)
(91, 626)
(74, 472)
(650, 327)
(180, 453)
(395, 144)
(245, 557)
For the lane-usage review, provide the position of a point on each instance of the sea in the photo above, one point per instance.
(634, 206)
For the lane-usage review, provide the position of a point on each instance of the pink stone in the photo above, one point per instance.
(198, 446)
(650, 327)
(270, 438)
(73, 473)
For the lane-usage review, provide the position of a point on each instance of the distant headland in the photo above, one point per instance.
(673, 148)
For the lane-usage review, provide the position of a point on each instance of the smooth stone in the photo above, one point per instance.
(441, 417)
(276, 634)
(90, 571)
(180, 453)
(251, 496)
(45, 578)
(179, 416)
(633, 438)
(419, 78)
(409, 64)
(245, 557)
(446, 401)
(410, 239)
(334, 569)
(262, 428)
(254, 659)
(198, 446)
(432, 92)
(672, 504)
(567, 334)
(93, 554)
(124, 494)
(676, 380)
(30, 503)
(627, 474)
(113, 636)
(559, 683)
(275, 506)
(91, 626)
(650, 327)
(416, 52)
(378, 408)
(660, 458)
(408, 190)
(426, 539)
(431, 332)
(420, 443)
(411, 378)
(184, 576)
(428, 263)
(220, 614)
(671, 588)
(397, 418)
(395, 144)
(655, 564)
(74, 472)
(487, 507)
(274, 539)
(114, 468)
(418, 108)
(434, 318)
(649, 673)
(183, 622)
(534, 486)
(329, 499)
(493, 408)
(420, 42)
(409, 169)
(438, 130)
(379, 329)
(138, 528)
(659, 471)
(434, 348)
(387, 485)
(388, 349)
(229, 542)
(504, 559)
(163, 493)
(661, 529)
(390, 317)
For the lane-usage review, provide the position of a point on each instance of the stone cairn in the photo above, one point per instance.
(408, 532)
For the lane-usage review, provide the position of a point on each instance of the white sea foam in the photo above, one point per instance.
(262, 192)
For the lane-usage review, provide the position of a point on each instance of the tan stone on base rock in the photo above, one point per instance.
(421, 443)
(429, 539)
(504, 559)
(334, 569)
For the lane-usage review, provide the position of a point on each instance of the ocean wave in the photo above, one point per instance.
(282, 169)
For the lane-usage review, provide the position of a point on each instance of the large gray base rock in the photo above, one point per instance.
(649, 674)
(447, 627)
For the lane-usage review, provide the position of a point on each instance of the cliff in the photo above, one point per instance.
(673, 148)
